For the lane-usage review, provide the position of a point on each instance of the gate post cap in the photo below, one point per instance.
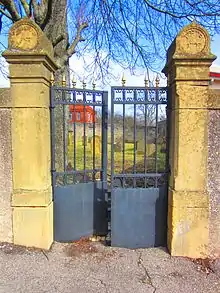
(192, 43)
(26, 38)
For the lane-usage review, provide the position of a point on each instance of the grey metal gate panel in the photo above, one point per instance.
(73, 210)
(80, 185)
(80, 211)
(138, 175)
(138, 217)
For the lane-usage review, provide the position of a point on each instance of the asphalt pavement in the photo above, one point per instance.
(88, 267)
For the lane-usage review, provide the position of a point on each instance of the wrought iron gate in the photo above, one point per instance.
(138, 166)
(79, 162)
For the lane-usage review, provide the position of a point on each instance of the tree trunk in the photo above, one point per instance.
(56, 31)
(61, 116)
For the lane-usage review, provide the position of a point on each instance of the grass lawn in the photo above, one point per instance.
(118, 158)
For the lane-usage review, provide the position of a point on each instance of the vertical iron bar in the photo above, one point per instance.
(145, 136)
(123, 143)
(167, 137)
(74, 136)
(84, 137)
(104, 176)
(112, 138)
(93, 139)
(53, 139)
(104, 135)
(135, 147)
(156, 136)
(64, 135)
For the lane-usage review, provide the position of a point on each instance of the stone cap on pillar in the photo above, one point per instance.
(27, 42)
(191, 44)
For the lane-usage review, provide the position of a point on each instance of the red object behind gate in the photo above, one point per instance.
(81, 113)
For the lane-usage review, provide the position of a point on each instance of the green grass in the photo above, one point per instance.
(129, 159)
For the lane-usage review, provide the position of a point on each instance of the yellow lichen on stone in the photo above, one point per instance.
(33, 227)
(30, 59)
(31, 136)
(193, 42)
(27, 37)
(187, 68)
(191, 150)
(188, 233)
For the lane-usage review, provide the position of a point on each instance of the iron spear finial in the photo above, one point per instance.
(52, 79)
(123, 80)
(157, 80)
(64, 80)
(146, 81)
(73, 82)
(83, 84)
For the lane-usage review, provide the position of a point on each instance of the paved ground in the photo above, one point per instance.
(85, 268)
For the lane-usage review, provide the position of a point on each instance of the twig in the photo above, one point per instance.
(78, 38)
(6, 14)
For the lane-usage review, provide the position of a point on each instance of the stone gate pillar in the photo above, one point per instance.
(189, 207)
(30, 59)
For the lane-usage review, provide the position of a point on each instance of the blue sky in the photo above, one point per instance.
(79, 66)
(215, 46)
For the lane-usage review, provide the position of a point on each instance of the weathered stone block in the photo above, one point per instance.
(31, 148)
(190, 150)
(33, 198)
(33, 226)
(188, 231)
(188, 62)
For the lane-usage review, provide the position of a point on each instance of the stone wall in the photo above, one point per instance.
(5, 167)
(25, 155)
(214, 172)
(193, 205)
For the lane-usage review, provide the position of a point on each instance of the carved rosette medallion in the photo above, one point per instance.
(23, 37)
(193, 41)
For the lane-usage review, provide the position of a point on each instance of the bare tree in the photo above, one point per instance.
(136, 33)
(131, 33)
(51, 16)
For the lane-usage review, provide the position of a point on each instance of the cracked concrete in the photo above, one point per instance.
(146, 278)
(108, 270)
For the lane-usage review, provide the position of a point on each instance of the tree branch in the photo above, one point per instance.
(162, 11)
(174, 15)
(6, 14)
(58, 40)
(40, 11)
(26, 7)
(11, 8)
(78, 38)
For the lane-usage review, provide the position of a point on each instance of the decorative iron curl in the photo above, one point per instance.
(117, 99)
(129, 99)
(141, 99)
(139, 91)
